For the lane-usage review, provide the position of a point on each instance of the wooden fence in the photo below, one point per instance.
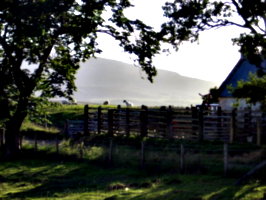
(169, 122)
(144, 121)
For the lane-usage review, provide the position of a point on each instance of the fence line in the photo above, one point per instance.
(169, 122)
(181, 157)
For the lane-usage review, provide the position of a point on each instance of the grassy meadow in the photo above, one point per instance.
(57, 116)
(56, 177)
(45, 174)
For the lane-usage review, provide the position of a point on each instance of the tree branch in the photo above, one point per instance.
(237, 24)
(247, 23)
(43, 59)
(15, 62)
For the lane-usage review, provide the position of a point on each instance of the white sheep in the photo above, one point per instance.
(128, 104)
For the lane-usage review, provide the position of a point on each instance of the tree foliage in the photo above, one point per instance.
(211, 97)
(253, 90)
(190, 17)
(53, 36)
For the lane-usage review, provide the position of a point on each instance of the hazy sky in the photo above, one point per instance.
(212, 58)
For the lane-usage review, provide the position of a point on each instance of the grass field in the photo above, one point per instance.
(38, 175)
(57, 177)
(57, 115)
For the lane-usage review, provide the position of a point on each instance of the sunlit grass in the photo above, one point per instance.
(50, 179)
(30, 126)
(254, 190)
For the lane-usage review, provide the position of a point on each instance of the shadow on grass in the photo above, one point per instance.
(50, 175)
(53, 176)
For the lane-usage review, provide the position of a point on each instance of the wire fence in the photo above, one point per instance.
(179, 156)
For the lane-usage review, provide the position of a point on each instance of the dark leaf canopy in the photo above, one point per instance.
(188, 18)
(54, 36)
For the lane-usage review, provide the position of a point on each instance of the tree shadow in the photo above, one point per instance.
(236, 193)
(57, 177)
(174, 193)
(52, 178)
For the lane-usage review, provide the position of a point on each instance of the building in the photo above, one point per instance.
(241, 71)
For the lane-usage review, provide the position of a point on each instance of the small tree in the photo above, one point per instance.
(54, 36)
(211, 97)
(253, 90)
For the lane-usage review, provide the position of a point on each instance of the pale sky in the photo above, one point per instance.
(211, 59)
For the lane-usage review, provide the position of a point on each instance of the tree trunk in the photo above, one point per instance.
(12, 134)
(12, 140)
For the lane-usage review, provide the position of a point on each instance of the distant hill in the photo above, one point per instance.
(102, 79)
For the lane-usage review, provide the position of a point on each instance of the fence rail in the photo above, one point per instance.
(170, 122)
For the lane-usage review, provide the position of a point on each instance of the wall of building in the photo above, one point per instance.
(229, 103)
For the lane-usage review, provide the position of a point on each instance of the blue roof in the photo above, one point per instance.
(240, 72)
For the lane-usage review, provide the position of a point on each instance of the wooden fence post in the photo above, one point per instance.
(182, 158)
(99, 125)
(86, 120)
(201, 125)
(110, 122)
(219, 114)
(142, 154)
(259, 127)
(169, 118)
(195, 123)
(127, 122)
(225, 159)
(233, 126)
(144, 121)
(118, 119)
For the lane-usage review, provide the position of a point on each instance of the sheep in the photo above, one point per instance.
(107, 102)
(128, 104)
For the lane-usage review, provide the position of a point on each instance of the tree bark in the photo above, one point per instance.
(13, 125)
(12, 140)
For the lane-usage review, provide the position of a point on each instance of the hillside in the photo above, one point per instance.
(101, 79)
